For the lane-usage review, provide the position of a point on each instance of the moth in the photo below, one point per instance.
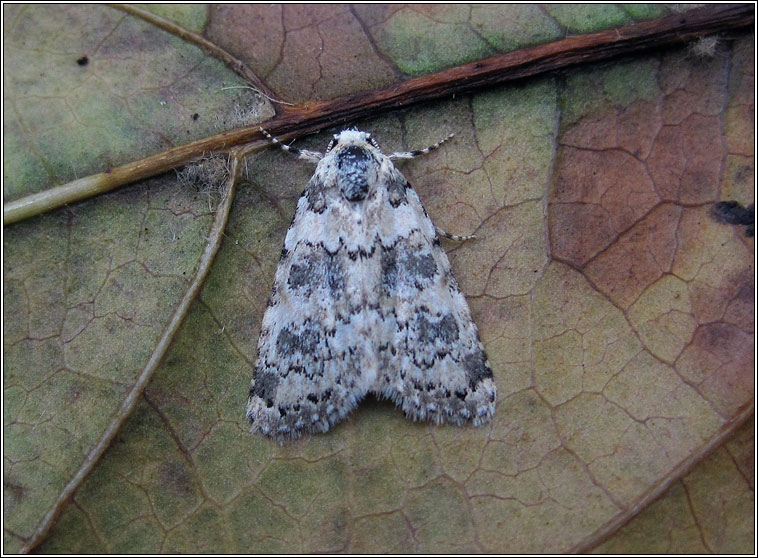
(364, 301)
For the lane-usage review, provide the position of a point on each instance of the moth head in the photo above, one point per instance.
(352, 137)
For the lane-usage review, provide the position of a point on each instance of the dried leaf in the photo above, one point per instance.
(617, 313)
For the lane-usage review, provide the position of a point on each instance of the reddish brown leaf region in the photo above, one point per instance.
(653, 135)
(237, 28)
(644, 253)
(305, 52)
(686, 160)
(741, 308)
(693, 85)
(740, 114)
(641, 160)
(601, 194)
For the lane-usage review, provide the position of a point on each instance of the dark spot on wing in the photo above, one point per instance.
(264, 384)
(444, 329)
(396, 191)
(477, 369)
(304, 341)
(404, 265)
(314, 193)
(421, 265)
(389, 268)
(316, 271)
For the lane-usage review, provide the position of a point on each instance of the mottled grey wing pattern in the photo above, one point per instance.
(364, 301)
(314, 345)
(431, 362)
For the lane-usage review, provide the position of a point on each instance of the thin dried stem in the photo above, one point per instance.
(175, 29)
(592, 541)
(215, 237)
(593, 47)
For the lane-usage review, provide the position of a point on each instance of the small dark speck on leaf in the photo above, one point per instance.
(734, 213)
(83, 61)
(195, 116)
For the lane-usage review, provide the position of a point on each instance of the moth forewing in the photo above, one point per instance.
(364, 301)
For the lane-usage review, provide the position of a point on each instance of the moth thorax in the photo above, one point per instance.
(356, 172)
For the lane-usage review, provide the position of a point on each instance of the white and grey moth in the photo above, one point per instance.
(364, 301)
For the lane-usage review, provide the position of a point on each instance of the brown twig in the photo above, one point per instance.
(593, 47)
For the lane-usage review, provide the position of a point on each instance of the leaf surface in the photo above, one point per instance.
(616, 312)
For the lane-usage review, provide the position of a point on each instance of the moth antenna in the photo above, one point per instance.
(306, 154)
(412, 154)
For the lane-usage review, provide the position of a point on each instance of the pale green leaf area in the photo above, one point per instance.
(512, 26)
(586, 18)
(615, 86)
(419, 45)
(115, 87)
(647, 11)
(192, 17)
(88, 291)
(422, 39)
(617, 315)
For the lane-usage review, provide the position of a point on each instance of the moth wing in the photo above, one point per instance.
(432, 363)
(314, 345)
